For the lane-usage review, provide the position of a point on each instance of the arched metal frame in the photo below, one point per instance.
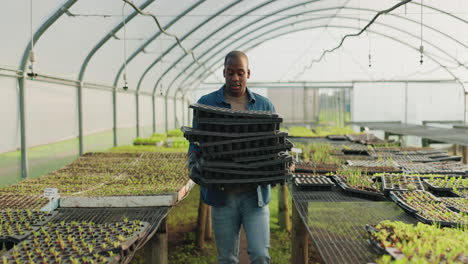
(24, 62)
(83, 70)
(203, 75)
(294, 15)
(55, 17)
(252, 31)
(304, 3)
(313, 19)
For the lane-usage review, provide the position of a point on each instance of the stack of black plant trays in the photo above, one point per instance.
(239, 148)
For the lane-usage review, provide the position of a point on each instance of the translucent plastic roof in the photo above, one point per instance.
(87, 41)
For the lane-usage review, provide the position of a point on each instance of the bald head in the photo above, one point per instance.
(236, 55)
(236, 72)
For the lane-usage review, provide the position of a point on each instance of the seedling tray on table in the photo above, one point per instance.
(164, 199)
(429, 168)
(460, 182)
(17, 225)
(317, 183)
(14, 201)
(459, 205)
(391, 182)
(379, 249)
(373, 195)
(103, 242)
(192, 134)
(309, 167)
(424, 200)
(337, 137)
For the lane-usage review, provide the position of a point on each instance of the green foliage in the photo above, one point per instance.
(175, 133)
(178, 142)
(296, 131)
(333, 130)
(318, 153)
(140, 149)
(422, 243)
(324, 131)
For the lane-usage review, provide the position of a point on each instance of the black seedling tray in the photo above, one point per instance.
(424, 220)
(355, 152)
(249, 151)
(318, 183)
(226, 126)
(356, 192)
(310, 168)
(388, 186)
(214, 173)
(279, 163)
(243, 159)
(455, 207)
(15, 239)
(34, 222)
(438, 188)
(451, 158)
(201, 110)
(233, 182)
(395, 197)
(243, 143)
(392, 251)
(337, 137)
(192, 135)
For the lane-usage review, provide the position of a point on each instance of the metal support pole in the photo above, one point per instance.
(189, 122)
(166, 113)
(114, 114)
(137, 107)
(80, 118)
(153, 99)
(182, 103)
(155, 250)
(465, 154)
(22, 110)
(300, 239)
(175, 112)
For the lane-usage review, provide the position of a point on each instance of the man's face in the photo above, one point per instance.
(236, 72)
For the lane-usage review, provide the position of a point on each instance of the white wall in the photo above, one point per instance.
(97, 111)
(51, 112)
(411, 104)
(9, 112)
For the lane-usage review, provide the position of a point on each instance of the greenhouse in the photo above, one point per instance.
(203, 131)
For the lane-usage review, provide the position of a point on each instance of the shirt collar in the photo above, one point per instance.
(220, 95)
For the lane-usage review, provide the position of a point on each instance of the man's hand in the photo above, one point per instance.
(194, 165)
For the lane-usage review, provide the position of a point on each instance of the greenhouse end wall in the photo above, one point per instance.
(408, 102)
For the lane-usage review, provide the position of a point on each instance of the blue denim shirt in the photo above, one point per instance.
(217, 197)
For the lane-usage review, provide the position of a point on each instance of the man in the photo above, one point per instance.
(233, 207)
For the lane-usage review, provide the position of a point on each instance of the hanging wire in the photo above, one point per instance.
(32, 58)
(125, 87)
(421, 47)
(352, 35)
(369, 55)
(179, 43)
(162, 64)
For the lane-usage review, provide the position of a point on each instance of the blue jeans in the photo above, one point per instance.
(242, 208)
